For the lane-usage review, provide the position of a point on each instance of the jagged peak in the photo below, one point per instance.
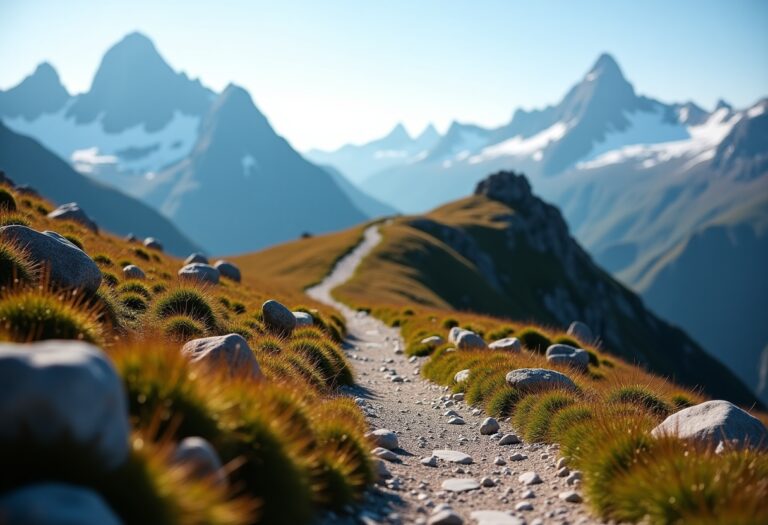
(505, 186)
(722, 104)
(606, 67)
(399, 132)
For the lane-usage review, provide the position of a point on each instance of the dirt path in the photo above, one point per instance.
(396, 397)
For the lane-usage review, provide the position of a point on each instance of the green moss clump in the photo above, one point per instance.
(640, 396)
(534, 340)
(7, 202)
(187, 302)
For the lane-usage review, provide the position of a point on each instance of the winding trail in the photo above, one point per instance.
(394, 396)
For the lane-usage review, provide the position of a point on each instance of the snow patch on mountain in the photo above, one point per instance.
(519, 145)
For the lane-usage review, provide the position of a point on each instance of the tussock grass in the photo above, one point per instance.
(188, 301)
(182, 328)
(15, 265)
(533, 340)
(135, 287)
(7, 202)
(641, 396)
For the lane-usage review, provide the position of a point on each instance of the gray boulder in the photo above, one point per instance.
(303, 319)
(467, 340)
(133, 272)
(60, 390)
(55, 504)
(508, 344)
(201, 458)
(581, 331)
(231, 352)
(461, 376)
(73, 212)
(453, 334)
(68, 265)
(567, 355)
(713, 422)
(203, 273)
(228, 270)
(433, 341)
(196, 258)
(384, 438)
(538, 379)
(153, 244)
(278, 318)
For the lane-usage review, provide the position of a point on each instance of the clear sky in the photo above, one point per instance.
(328, 72)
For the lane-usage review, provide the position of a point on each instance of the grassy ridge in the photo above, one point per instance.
(287, 438)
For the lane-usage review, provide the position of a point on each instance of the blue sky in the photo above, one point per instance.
(330, 72)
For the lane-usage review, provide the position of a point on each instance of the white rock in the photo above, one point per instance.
(523, 506)
(203, 273)
(571, 496)
(538, 378)
(55, 504)
(303, 319)
(228, 352)
(528, 494)
(54, 390)
(455, 421)
(449, 413)
(431, 461)
(529, 478)
(433, 341)
(454, 456)
(508, 344)
(445, 517)
(489, 426)
(461, 376)
(495, 517)
(713, 421)
(470, 341)
(460, 484)
(581, 332)
(384, 438)
(133, 272)
(573, 477)
(200, 456)
(454, 333)
(568, 355)
(509, 439)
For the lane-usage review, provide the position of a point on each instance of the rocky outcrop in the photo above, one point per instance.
(73, 212)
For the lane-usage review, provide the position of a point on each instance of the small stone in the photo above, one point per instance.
(196, 258)
(455, 421)
(200, 272)
(381, 470)
(383, 453)
(499, 461)
(509, 344)
(453, 456)
(384, 438)
(476, 411)
(581, 331)
(562, 462)
(153, 244)
(573, 477)
(230, 351)
(278, 318)
(509, 439)
(445, 517)
(529, 478)
(524, 506)
(528, 494)
(563, 472)
(459, 396)
(487, 482)
(133, 272)
(228, 270)
(460, 484)
(461, 376)
(431, 461)
(518, 457)
(449, 413)
(571, 496)
(495, 517)
(489, 426)
(303, 319)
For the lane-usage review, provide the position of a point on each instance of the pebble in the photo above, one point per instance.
(445, 517)
(499, 461)
(528, 494)
(431, 461)
(449, 413)
(571, 496)
(460, 484)
(529, 478)
(487, 482)
(458, 396)
(509, 439)
(563, 472)
(518, 457)
(495, 517)
(573, 477)
(524, 505)
(454, 456)
(489, 426)
(383, 453)
(456, 421)
(562, 462)
(384, 438)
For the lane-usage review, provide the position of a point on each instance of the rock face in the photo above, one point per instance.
(508, 344)
(73, 212)
(461, 376)
(55, 504)
(69, 266)
(56, 390)
(467, 340)
(228, 270)
(228, 351)
(200, 457)
(154, 244)
(538, 379)
(203, 273)
(303, 319)
(278, 318)
(196, 258)
(568, 355)
(715, 421)
(581, 331)
(133, 272)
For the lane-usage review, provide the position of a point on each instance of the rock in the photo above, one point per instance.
(230, 352)
(455, 421)
(714, 421)
(383, 453)
(63, 390)
(489, 426)
(133, 272)
(538, 379)
(278, 318)
(529, 478)
(453, 334)
(26, 189)
(495, 517)
(563, 472)
(528, 494)
(508, 344)
(487, 482)
(562, 462)
(523, 506)
(382, 472)
(303, 319)
(454, 456)
(581, 332)
(461, 376)
(499, 461)
(131, 238)
(571, 496)
(517, 457)
(470, 341)
(196, 258)
(445, 517)
(460, 484)
(449, 413)
(384, 437)
(200, 272)
(153, 244)
(69, 266)
(228, 270)
(431, 461)
(458, 396)
(55, 504)
(509, 439)
(573, 477)
(568, 355)
(433, 341)
(73, 212)
(201, 458)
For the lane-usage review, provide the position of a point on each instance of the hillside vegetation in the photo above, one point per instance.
(282, 432)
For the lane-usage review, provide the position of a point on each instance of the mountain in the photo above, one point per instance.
(244, 187)
(368, 205)
(27, 162)
(505, 252)
(356, 162)
(138, 116)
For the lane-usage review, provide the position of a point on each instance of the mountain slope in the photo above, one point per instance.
(370, 206)
(41, 92)
(27, 162)
(505, 252)
(258, 188)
